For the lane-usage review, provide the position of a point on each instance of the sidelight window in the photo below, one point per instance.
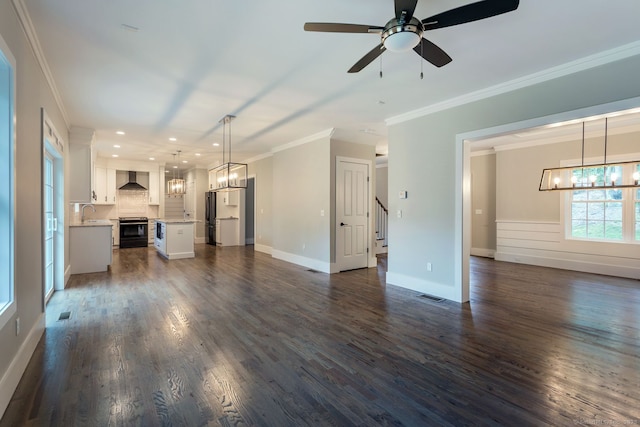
(7, 184)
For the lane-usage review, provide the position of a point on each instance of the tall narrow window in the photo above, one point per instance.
(7, 185)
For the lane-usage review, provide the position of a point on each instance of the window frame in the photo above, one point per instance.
(8, 306)
(629, 200)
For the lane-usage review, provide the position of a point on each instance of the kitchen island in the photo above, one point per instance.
(90, 247)
(174, 238)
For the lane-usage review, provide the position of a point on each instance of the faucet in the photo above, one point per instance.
(84, 206)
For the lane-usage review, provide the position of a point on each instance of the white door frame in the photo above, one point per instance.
(53, 146)
(371, 258)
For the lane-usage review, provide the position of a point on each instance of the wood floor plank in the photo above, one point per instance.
(233, 337)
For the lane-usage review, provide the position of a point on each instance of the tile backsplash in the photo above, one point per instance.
(133, 203)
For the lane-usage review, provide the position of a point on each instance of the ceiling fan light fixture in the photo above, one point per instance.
(401, 37)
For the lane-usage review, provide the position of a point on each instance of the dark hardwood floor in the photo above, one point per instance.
(234, 337)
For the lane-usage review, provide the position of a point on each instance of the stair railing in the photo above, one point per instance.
(382, 222)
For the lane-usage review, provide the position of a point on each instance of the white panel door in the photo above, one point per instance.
(352, 209)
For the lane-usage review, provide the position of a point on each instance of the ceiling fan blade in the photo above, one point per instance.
(408, 6)
(469, 13)
(432, 53)
(328, 27)
(366, 60)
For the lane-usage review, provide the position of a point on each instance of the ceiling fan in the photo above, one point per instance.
(405, 31)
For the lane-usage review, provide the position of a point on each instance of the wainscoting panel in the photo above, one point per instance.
(544, 244)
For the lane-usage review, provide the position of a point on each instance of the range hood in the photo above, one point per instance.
(132, 184)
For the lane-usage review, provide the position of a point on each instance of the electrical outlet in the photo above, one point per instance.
(428, 266)
(399, 213)
(17, 326)
(322, 212)
(304, 245)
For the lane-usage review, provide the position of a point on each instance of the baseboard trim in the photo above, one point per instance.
(315, 264)
(425, 286)
(262, 248)
(573, 265)
(18, 365)
(67, 275)
(483, 252)
(249, 241)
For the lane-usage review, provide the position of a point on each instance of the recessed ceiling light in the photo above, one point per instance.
(114, 155)
(198, 154)
(166, 171)
(172, 139)
(152, 158)
(120, 132)
(175, 167)
(116, 146)
(215, 144)
(185, 161)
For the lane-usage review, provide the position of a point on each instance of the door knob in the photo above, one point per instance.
(342, 224)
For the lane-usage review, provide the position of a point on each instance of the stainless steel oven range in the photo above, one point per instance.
(134, 232)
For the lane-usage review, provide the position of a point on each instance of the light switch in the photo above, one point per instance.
(478, 211)
(399, 213)
(322, 212)
(403, 194)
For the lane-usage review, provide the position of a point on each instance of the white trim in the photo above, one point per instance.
(258, 158)
(34, 42)
(315, 264)
(483, 252)
(262, 248)
(324, 134)
(463, 170)
(18, 365)
(483, 152)
(424, 286)
(371, 225)
(67, 275)
(571, 264)
(612, 55)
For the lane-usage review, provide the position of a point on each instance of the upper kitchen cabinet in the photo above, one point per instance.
(81, 158)
(105, 186)
(154, 188)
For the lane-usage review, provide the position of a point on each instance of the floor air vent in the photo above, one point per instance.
(431, 298)
(64, 315)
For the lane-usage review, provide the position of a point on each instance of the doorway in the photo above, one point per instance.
(352, 213)
(250, 211)
(52, 209)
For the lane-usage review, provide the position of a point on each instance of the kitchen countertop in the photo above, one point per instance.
(92, 223)
(177, 221)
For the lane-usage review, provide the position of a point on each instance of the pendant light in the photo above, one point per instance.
(597, 176)
(229, 176)
(176, 186)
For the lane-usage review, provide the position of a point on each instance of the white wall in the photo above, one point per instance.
(483, 205)
(32, 93)
(424, 159)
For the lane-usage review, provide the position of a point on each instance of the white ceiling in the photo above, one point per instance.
(193, 61)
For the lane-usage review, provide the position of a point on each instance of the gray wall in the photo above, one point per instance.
(483, 198)
(382, 185)
(32, 93)
(422, 160)
(301, 189)
(263, 171)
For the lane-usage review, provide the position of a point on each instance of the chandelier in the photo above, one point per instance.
(606, 175)
(176, 186)
(229, 176)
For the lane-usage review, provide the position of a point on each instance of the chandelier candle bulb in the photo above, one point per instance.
(556, 181)
(614, 178)
(636, 178)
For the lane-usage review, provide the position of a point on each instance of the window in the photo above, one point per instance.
(605, 214)
(7, 185)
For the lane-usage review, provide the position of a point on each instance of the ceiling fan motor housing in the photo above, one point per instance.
(400, 36)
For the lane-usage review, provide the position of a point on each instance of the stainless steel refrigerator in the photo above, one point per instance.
(210, 217)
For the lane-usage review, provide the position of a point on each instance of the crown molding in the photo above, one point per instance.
(34, 42)
(324, 134)
(602, 58)
(258, 157)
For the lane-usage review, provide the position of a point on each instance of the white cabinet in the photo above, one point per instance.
(90, 248)
(81, 173)
(105, 186)
(151, 229)
(227, 232)
(154, 189)
(230, 198)
(115, 232)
